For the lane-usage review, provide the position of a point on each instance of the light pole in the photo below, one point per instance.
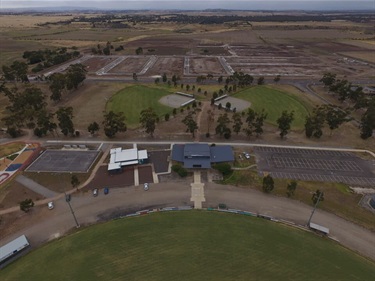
(67, 199)
(313, 211)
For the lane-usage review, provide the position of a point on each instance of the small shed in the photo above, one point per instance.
(319, 228)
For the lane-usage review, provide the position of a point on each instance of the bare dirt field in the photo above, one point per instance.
(162, 45)
(174, 100)
(96, 63)
(130, 65)
(368, 56)
(168, 65)
(239, 104)
(206, 65)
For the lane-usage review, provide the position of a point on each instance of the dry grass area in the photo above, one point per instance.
(58, 182)
(338, 198)
(13, 192)
(30, 21)
(368, 56)
(89, 102)
(8, 149)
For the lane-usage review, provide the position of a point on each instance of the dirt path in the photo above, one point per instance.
(205, 107)
(42, 225)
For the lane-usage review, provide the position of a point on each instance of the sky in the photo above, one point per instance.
(196, 4)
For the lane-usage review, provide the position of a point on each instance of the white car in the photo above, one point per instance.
(50, 205)
(145, 186)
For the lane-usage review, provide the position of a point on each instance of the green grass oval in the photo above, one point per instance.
(132, 100)
(190, 245)
(275, 102)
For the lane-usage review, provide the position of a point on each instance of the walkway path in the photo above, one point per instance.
(205, 107)
(197, 191)
(36, 187)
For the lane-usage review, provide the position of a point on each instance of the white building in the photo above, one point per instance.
(125, 157)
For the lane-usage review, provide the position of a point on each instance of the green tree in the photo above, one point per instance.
(75, 75)
(190, 123)
(65, 116)
(368, 121)
(45, 123)
(261, 80)
(57, 84)
(335, 117)
(135, 77)
(74, 181)
(328, 79)
(139, 51)
(148, 120)
(228, 105)
(157, 81)
(166, 117)
(318, 195)
(17, 71)
(224, 168)
(259, 122)
(284, 122)
(93, 128)
(114, 123)
(237, 122)
(223, 122)
(26, 205)
(291, 188)
(164, 77)
(268, 184)
(220, 79)
(277, 78)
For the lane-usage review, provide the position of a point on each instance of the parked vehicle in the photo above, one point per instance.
(95, 192)
(247, 155)
(145, 186)
(50, 205)
(67, 197)
(106, 190)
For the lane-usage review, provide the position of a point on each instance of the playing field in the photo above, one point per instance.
(132, 100)
(190, 245)
(274, 102)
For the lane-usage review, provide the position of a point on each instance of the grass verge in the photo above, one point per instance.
(338, 197)
(188, 245)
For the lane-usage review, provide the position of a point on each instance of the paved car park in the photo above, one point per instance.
(160, 160)
(314, 165)
(145, 174)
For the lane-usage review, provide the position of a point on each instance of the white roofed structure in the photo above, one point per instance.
(124, 157)
(13, 247)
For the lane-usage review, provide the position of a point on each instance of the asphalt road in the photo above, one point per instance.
(43, 225)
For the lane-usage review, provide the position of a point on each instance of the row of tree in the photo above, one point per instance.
(269, 184)
(346, 92)
(60, 83)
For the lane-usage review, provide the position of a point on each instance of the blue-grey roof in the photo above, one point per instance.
(203, 163)
(178, 152)
(200, 155)
(197, 150)
(221, 153)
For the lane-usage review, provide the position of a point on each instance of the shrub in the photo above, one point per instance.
(223, 168)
